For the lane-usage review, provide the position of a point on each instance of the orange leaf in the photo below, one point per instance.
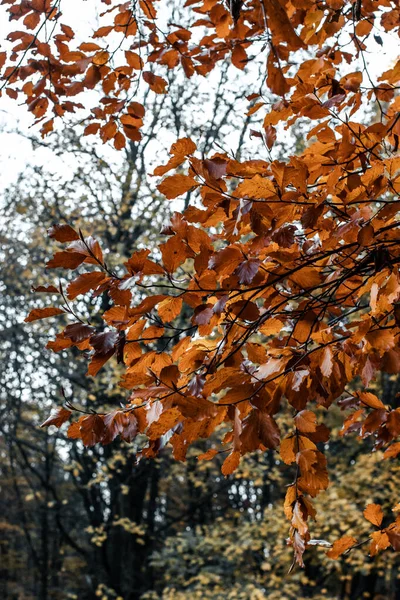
(239, 57)
(97, 362)
(380, 541)
(92, 429)
(340, 546)
(119, 141)
(91, 129)
(370, 400)
(43, 313)
(306, 421)
(288, 450)
(231, 463)
(392, 451)
(176, 185)
(166, 421)
(101, 58)
(209, 455)
(374, 514)
(170, 308)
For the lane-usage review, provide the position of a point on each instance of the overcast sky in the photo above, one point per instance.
(82, 15)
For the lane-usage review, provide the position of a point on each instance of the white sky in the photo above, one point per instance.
(82, 15)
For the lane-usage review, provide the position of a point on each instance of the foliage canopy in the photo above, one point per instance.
(276, 293)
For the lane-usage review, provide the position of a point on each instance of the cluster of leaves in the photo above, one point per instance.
(288, 271)
(48, 69)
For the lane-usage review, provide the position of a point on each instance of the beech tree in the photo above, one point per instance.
(275, 295)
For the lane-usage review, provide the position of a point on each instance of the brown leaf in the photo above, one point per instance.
(156, 83)
(259, 428)
(121, 423)
(176, 185)
(104, 342)
(392, 451)
(77, 332)
(98, 361)
(307, 277)
(84, 283)
(43, 313)
(247, 270)
(134, 60)
(65, 260)
(92, 429)
(196, 384)
(47, 289)
(231, 463)
(288, 450)
(393, 422)
(340, 546)
(60, 416)
(101, 58)
(209, 455)
(62, 233)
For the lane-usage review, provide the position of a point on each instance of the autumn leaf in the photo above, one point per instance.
(230, 463)
(101, 58)
(84, 283)
(307, 277)
(66, 260)
(166, 421)
(43, 313)
(340, 546)
(276, 290)
(247, 270)
(306, 421)
(392, 451)
(134, 60)
(209, 455)
(169, 308)
(47, 289)
(60, 416)
(77, 332)
(92, 429)
(380, 541)
(183, 147)
(120, 423)
(369, 399)
(374, 514)
(98, 361)
(62, 233)
(288, 450)
(326, 364)
(104, 341)
(176, 185)
(157, 84)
